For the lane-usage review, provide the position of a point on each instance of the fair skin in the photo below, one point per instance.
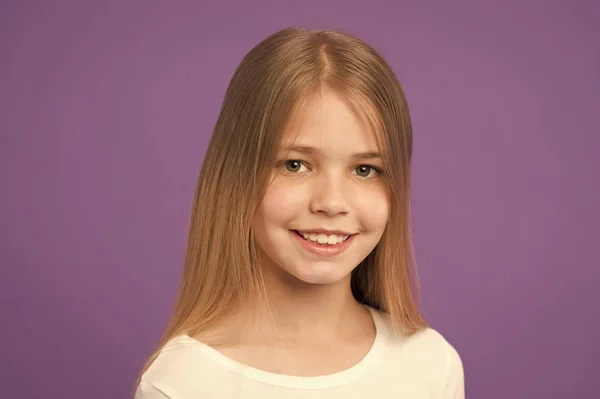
(326, 177)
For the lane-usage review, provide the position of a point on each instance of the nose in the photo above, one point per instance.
(329, 197)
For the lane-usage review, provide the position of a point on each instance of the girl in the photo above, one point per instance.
(298, 277)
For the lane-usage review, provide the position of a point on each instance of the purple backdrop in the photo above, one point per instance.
(105, 112)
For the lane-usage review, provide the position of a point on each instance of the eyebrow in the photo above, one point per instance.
(314, 151)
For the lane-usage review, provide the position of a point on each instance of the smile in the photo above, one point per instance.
(322, 238)
(321, 244)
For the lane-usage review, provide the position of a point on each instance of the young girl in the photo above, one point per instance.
(298, 279)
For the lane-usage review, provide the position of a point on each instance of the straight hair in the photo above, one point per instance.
(274, 80)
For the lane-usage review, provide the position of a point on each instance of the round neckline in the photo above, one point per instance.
(333, 380)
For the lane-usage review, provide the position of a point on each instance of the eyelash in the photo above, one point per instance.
(283, 163)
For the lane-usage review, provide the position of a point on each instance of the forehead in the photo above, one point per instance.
(330, 121)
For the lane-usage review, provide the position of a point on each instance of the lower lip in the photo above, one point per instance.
(324, 250)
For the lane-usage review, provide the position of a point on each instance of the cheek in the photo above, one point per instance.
(373, 209)
(282, 202)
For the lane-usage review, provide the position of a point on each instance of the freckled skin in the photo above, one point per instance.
(325, 189)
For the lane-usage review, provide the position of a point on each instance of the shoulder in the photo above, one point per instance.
(430, 352)
(426, 355)
(174, 371)
(425, 345)
(429, 344)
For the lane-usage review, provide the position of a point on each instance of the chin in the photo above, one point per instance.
(320, 273)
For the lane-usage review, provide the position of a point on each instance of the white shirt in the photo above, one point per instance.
(421, 366)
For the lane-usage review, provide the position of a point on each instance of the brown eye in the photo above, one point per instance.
(363, 170)
(366, 171)
(293, 166)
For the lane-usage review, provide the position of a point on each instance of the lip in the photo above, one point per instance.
(324, 231)
(322, 250)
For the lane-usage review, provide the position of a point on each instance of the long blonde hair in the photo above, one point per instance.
(275, 78)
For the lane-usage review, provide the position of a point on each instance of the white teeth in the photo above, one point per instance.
(324, 238)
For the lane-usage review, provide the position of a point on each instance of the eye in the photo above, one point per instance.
(366, 171)
(294, 166)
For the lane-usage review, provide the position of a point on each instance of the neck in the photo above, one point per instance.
(302, 311)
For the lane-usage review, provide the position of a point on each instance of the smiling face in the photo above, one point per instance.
(327, 205)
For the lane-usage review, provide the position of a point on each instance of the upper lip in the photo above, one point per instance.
(324, 231)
